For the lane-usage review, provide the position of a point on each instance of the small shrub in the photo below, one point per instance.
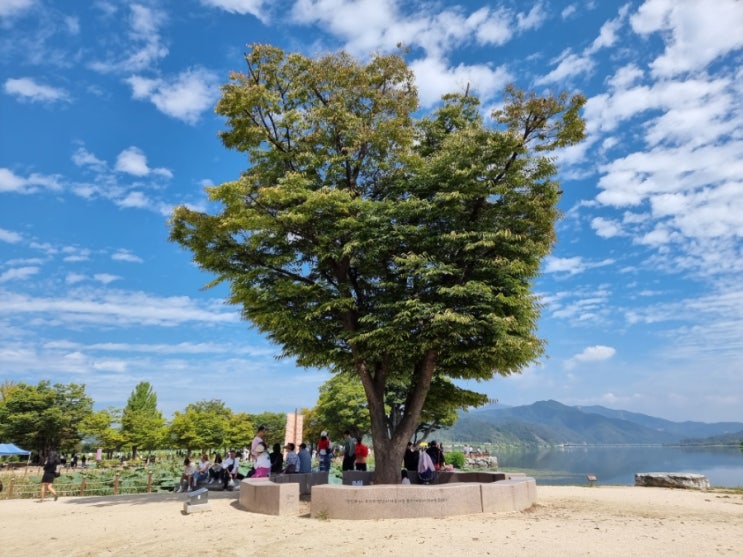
(456, 459)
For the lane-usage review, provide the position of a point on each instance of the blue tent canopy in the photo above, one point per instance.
(9, 449)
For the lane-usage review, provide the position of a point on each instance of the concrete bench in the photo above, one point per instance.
(263, 496)
(305, 481)
(409, 501)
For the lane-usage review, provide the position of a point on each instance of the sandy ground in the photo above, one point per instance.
(570, 521)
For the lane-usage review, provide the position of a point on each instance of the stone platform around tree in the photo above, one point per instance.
(411, 501)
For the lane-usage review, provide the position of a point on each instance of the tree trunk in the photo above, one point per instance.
(389, 445)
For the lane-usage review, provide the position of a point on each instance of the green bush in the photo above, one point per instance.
(456, 459)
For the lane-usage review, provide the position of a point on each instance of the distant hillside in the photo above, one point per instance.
(550, 423)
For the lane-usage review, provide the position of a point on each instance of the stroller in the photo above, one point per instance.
(426, 470)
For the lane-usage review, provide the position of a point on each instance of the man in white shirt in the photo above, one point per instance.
(231, 467)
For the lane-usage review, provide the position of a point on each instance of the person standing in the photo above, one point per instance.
(50, 472)
(292, 460)
(362, 452)
(437, 456)
(257, 440)
(305, 459)
(324, 449)
(410, 459)
(349, 451)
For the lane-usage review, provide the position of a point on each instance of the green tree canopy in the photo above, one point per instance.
(342, 406)
(105, 428)
(142, 424)
(45, 416)
(208, 425)
(364, 240)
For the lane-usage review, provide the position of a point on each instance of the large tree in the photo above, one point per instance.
(365, 240)
(45, 416)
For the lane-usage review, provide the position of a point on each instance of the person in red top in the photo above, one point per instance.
(325, 450)
(362, 451)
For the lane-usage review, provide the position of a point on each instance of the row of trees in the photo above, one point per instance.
(46, 416)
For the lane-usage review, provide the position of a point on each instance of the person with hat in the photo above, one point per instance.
(325, 451)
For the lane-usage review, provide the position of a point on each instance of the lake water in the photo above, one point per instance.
(617, 465)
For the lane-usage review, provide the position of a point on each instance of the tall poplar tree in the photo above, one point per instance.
(363, 239)
(142, 424)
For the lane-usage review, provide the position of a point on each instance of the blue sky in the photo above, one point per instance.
(107, 123)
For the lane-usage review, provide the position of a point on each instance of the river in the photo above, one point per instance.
(617, 465)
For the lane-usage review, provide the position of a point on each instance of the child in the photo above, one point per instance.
(262, 462)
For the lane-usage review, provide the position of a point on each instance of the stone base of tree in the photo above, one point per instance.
(354, 502)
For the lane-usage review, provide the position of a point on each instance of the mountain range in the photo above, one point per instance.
(552, 423)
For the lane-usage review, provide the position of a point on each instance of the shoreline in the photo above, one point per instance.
(566, 520)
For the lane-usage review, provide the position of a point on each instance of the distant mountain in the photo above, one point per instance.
(550, 423)
(684, 430)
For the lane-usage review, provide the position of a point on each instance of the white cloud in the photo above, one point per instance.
(11, 182)
(116, 309)
(606, 228)
(10, 8)
(242, 7)
(133, 161)
(184, 97)
(533, 19)
(698, 34)
(26, 89)
(569, 65)
(134, 199)
(126, 255)
(74, 278)
(9, 236)
(83, 157)
(20, 273)
(572, 265)
(147, 47)
(434, 78)
(591, 354)
(106, 278)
